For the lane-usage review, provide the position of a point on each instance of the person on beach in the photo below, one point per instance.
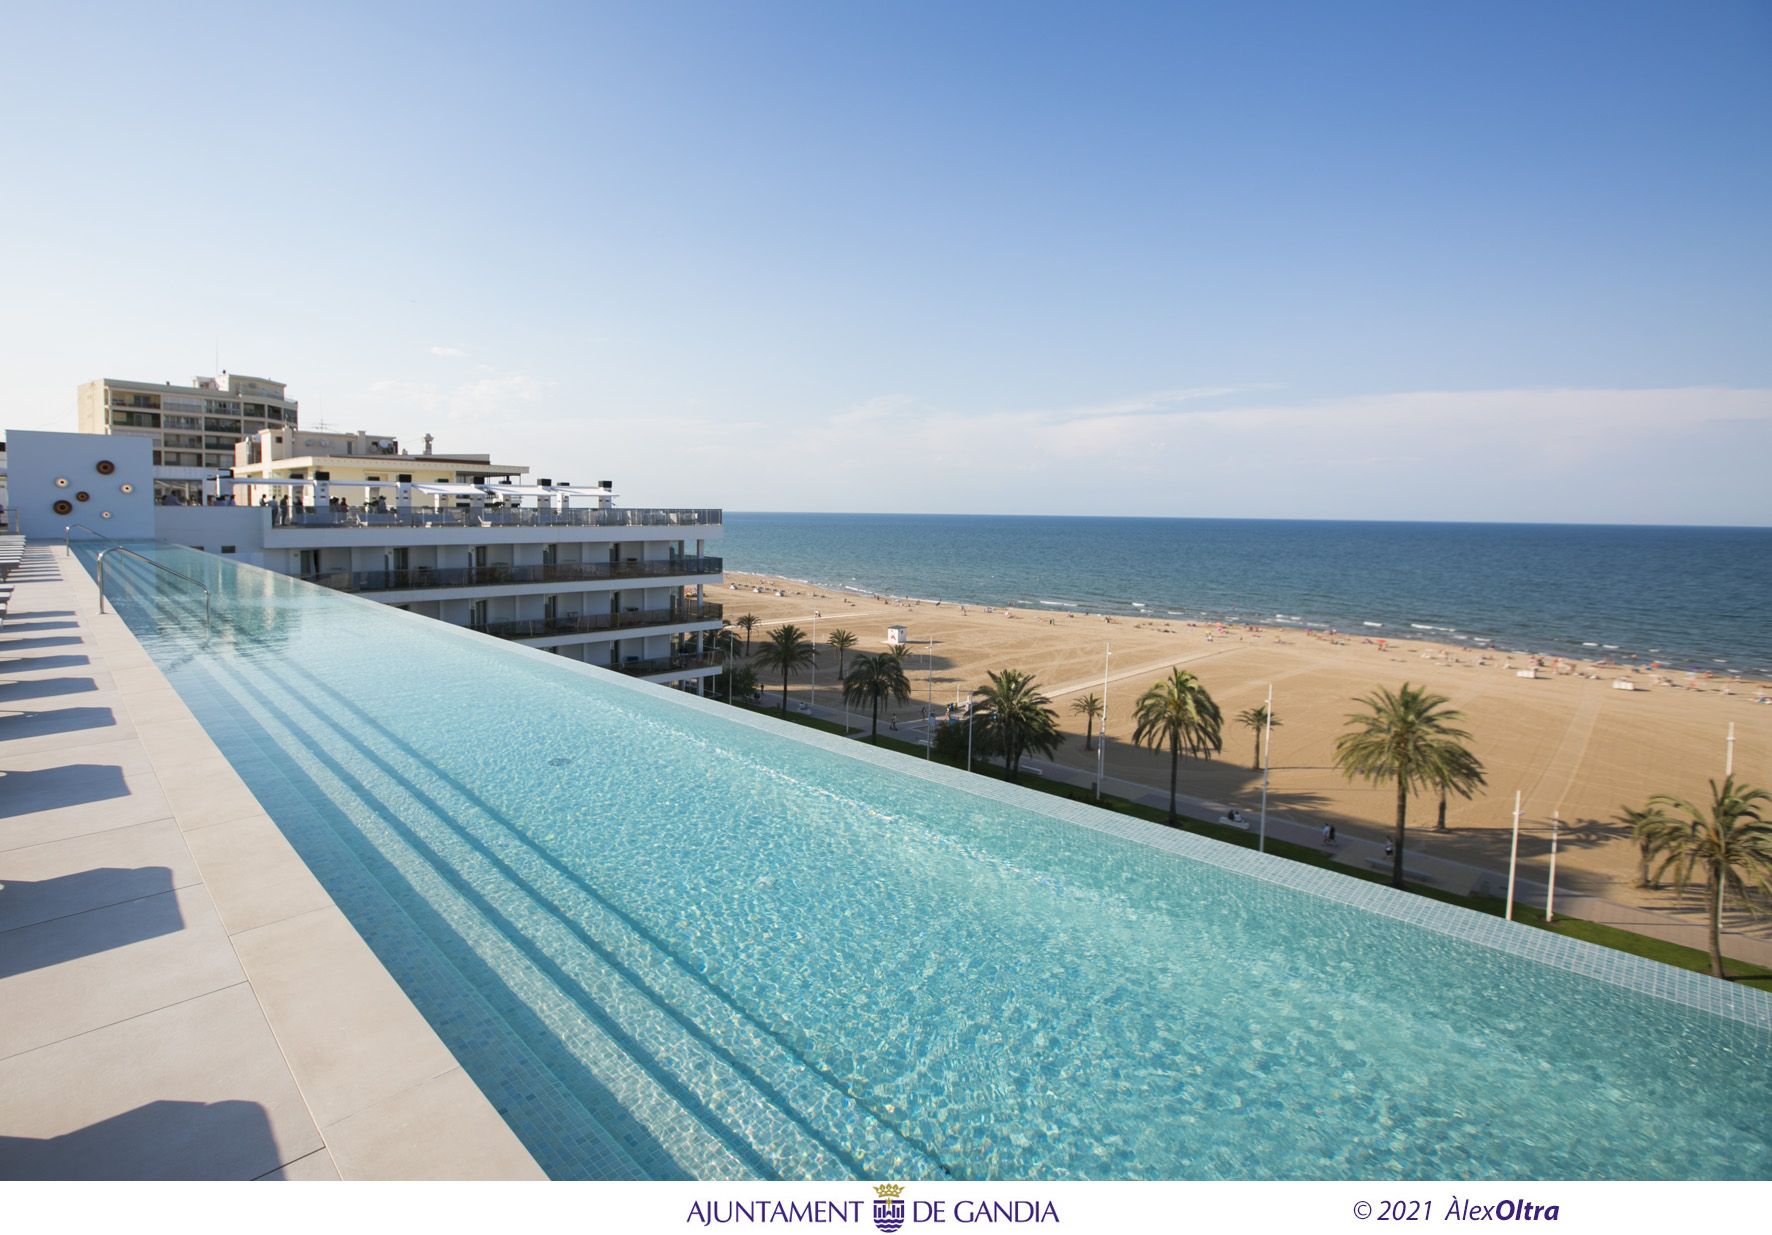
(1390, 849)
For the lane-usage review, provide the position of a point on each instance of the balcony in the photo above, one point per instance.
(508, 516)
(665, 664)
(500, 576)
(590, 623)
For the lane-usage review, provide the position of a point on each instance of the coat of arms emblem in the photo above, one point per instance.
(888, 1207)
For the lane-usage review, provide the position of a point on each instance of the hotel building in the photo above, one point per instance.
(462, 538)
(192, 428)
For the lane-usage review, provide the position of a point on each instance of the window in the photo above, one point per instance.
(227, 548)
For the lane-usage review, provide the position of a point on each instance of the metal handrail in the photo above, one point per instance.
(207, 625)
(68, 536)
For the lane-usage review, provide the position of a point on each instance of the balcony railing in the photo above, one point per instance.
(498, 576)
(497, 517)
(666, 664)
(588, 623)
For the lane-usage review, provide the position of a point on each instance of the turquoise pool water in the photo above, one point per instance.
(669, 941)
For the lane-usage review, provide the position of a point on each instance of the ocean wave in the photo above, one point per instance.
(1060, 604)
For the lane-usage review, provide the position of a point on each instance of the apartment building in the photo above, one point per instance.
(193, 429)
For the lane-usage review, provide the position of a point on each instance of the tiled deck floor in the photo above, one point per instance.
(179, 998)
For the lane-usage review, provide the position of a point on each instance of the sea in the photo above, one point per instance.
(1692, 598)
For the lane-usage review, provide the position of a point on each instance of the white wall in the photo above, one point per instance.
(36, 461)
(237, 531)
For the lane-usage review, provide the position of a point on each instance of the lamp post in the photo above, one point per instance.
(1101, 741)
(929, 705)
(1550, 902)
(1513, 858)
(1266, 756)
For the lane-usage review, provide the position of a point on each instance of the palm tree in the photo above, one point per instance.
(1088, 707)
(1020, 719)
(745, 624)
(1406, 737)
(725, 639)
(1256, 718)
(1728, 840)
(1462, 774)
(788, 649)
(1643, 823)
(1178, 712)
(873, 677)
(842, 640)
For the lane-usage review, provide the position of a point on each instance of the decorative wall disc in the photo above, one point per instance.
(83, 496)
(127, 487)
(104, 514)
(106, 467)
(63, 506)
(61, 482)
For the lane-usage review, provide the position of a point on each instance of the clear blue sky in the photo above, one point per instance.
(1484, 260)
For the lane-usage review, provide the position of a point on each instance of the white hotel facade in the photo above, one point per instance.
(466, 540)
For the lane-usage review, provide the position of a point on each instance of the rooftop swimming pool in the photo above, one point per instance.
(672, 940)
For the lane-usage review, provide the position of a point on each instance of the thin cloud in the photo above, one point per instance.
(503, 397)
(1156, 403)
(451, 353)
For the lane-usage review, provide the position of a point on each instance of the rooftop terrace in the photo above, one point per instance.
(183, 999)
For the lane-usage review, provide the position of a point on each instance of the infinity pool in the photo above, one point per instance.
(669, 940)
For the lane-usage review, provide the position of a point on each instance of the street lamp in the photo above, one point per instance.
(929, 706)
(1101, 741)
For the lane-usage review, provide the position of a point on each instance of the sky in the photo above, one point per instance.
(1476, 261)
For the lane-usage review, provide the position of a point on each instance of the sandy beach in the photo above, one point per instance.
(1568, 739)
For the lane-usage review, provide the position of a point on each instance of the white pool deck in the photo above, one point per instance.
(179, 998)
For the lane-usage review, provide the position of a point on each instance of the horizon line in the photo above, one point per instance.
(961, 514)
